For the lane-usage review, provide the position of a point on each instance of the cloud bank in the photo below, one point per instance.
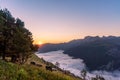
(75, 65)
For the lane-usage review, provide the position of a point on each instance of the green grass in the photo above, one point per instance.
(11, 71)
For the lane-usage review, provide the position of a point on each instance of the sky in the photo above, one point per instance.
(56, 21)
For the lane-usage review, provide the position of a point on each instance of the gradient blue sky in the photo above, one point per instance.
(63, 20)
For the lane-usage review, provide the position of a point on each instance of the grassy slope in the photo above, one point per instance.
(10, 71)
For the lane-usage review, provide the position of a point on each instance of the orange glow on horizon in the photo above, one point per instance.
(39, 42)
(55, 40)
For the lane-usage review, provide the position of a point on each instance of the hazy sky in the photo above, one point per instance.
(64, 20)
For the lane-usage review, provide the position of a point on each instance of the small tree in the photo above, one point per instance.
(83, 74)
(98, 77)
(57, 64)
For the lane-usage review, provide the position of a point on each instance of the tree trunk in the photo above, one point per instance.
(3, 56)
(4, 50)
(13, 58)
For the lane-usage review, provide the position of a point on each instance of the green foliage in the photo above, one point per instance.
(15, 39)
(22, 74)
(7, 69)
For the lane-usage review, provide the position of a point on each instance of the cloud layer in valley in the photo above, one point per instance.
(75, 65)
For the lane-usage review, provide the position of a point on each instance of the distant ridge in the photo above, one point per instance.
(97, 52)
(73, 43)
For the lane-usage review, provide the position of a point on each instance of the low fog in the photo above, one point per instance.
(75, 65)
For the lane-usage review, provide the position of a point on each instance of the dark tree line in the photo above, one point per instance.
(15, 40)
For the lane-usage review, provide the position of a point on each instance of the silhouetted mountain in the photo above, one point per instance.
(51, 47)
(97, 52)
(64, 46)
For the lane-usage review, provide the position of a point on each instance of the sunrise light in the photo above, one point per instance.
(38, 42)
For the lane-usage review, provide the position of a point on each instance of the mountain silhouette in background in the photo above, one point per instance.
(99, 53)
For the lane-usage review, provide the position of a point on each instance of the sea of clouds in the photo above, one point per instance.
(75, 65)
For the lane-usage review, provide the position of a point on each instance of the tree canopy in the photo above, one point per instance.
(15, 40)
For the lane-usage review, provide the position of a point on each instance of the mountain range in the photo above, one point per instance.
(99, 53)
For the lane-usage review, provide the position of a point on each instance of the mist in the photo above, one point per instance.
(75, 65)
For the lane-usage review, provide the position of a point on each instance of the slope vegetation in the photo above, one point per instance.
(11, 71)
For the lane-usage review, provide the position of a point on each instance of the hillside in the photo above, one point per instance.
(11, 71)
